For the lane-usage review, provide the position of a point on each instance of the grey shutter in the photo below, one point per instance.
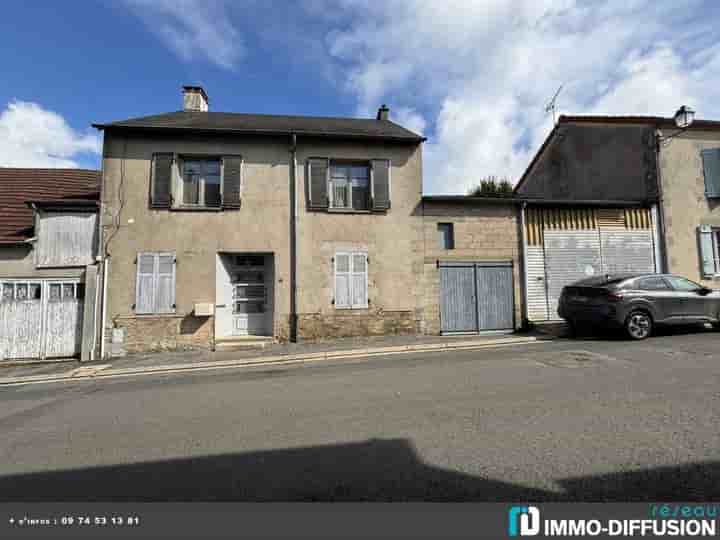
(318, 169)
(359, 281)
(165, 283)
(145, 283)
(711, 169)
(342, 280)
(707, 253)
(161, 194)
(232, 179)
(380, 184)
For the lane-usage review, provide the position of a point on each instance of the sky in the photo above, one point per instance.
(474, 77)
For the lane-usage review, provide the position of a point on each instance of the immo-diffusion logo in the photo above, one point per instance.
(523, 520)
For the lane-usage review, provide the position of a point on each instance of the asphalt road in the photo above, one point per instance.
(589, 419)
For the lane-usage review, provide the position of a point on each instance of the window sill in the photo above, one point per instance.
(348, 211)
(196, 209)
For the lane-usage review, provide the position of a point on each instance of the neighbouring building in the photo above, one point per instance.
(221, 227)
(589, 206)
(48, 269)
(472, 264)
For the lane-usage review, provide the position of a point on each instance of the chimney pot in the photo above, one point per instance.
(383, 113)
(195, 99)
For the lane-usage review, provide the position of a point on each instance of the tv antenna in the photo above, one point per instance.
(550, 107)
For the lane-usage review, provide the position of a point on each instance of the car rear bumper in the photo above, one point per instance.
(603, 314)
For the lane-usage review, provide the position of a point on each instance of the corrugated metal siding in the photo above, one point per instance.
(611, 217)
(637, 218)
(536, 290)
(569, 256)
(539, 219)
(627, 251)
(495, 297)
(458, 311)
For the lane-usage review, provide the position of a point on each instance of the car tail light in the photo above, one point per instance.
(614, 296)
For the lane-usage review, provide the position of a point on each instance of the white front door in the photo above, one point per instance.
(250, 301)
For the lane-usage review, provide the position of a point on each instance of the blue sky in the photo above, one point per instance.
(472, 76)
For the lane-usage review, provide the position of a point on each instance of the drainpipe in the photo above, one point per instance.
(524, 278)
(662, 244)
(293, 238)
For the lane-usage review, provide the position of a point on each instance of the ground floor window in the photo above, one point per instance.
(155, 283)
(351, 279)
(709, 250)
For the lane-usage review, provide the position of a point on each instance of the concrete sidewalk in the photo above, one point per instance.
(290, 353)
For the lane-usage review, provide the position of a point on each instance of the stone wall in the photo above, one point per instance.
(160, 333)
(318, 326)
(482, 232)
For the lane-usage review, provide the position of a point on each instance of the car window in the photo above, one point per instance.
(652, 284)
(682, 284)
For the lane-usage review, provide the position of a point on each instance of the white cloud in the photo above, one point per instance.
(476, 75)
(31, 136)
(193, 29)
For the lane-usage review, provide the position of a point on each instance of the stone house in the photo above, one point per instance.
(223, 229)
(48, 267)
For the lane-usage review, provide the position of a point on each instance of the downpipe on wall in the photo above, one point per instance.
(293, 238)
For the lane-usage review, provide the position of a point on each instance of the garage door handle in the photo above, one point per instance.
(539, 278)
(220, 305)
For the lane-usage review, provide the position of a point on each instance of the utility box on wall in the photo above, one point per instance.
(204, 309)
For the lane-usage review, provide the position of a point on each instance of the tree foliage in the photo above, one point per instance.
(491, 186)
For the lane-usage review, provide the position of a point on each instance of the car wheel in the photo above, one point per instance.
(639, 325)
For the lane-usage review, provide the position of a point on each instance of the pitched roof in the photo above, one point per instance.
(269, 124)
(19, 186)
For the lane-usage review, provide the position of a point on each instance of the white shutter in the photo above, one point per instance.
(165, 279)
(342, 280)
(707, 253)
(359, 280)
(145, 283)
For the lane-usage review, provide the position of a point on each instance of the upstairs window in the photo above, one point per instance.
(349, 186)
(446, 235)
(201, 182)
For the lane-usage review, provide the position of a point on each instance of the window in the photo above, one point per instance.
(653, 284)
(709, 241)
(711, 171)
(446, 235)
(351, 280)
(155, 284)
(349, 186)
(682, 284)
(200, 182)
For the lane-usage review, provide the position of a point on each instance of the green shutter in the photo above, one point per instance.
(161, 185)
(711, 169)
(232, 182)
(380, 185)
(317, 184)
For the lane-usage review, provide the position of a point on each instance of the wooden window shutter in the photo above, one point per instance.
(380, 189)
(342, 280)
(161, 185)
(165, 283)
(707, 252)
(145, 283)
(359, 280)
(711, 170)
(318, 171)
(232, 182)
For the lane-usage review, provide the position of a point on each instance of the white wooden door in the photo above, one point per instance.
(250, 302)
(40, 319)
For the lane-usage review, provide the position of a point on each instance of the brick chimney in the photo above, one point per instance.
(383, 113)
(195, 99)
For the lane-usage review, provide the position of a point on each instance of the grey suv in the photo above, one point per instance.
(637, 302)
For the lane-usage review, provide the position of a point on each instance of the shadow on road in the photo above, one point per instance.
(374, 470)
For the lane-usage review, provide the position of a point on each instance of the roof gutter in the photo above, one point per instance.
(263, 132)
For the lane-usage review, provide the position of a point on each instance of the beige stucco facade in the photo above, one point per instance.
(685, 206)
(392, 240)
(483, 232)
(18, 262)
